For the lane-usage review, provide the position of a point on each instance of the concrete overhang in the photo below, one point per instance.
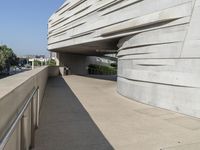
(94, 48)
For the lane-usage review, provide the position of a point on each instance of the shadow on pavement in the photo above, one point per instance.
(65, 124)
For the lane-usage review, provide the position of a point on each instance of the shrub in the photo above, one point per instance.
(101, 70)
(37, 63)
(51, 62)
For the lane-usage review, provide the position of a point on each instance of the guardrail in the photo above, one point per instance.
(34, 120)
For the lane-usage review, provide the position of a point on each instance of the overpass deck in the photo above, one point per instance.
(81, 113)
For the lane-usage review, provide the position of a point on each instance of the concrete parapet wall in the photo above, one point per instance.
(14, 91)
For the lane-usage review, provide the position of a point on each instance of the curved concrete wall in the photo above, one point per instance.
(160, 64)
(157, 42)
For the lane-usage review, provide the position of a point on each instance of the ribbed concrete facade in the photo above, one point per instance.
(158, 44)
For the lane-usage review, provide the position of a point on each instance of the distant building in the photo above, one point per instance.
(28, 59)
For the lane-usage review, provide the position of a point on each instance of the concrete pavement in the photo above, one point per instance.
(88, 114)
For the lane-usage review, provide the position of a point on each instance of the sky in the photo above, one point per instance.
(23, 24)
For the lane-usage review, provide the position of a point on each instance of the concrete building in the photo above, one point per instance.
(157, 44)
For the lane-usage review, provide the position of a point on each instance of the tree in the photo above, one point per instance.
(7, 58)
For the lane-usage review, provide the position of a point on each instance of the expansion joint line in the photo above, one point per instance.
(187, 32)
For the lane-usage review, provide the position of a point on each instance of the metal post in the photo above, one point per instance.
(24, 131)
(38, 108)
(22, 144)
(32, 125)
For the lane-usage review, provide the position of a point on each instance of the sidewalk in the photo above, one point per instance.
(81, 113)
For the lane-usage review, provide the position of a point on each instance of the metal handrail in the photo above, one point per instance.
(12, 127)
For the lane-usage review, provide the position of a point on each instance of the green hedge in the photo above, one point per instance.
(51, 62)
(101, 70)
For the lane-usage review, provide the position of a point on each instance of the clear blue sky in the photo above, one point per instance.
(23, 24)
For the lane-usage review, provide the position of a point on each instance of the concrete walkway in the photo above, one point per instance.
(82, 113)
